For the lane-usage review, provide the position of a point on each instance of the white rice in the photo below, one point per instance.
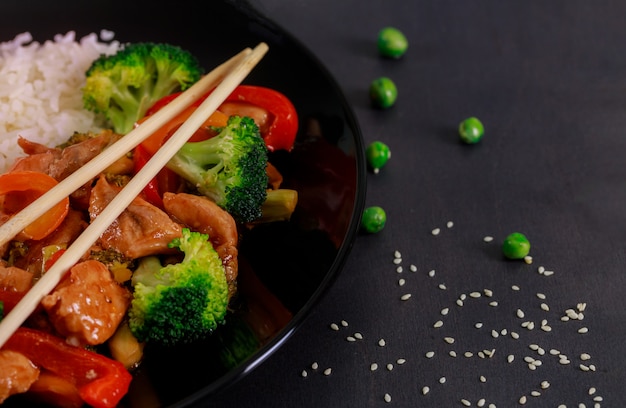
(40, 89)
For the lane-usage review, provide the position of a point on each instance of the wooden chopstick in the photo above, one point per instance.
(81, 245)
(37, 208)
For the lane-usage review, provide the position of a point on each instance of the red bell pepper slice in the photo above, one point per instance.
(101, 381)
(21, 188)
(281, 128)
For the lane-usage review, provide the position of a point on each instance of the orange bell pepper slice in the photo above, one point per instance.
(20, 188)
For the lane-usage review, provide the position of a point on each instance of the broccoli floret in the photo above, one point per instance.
(182, 302)
(124, 85)
(278, 206)
(237, 341)
(229, 168)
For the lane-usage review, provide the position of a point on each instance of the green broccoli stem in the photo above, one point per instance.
(278, 206)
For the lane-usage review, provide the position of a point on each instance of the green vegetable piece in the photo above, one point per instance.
(515, 246)
(471, 130)
(383, 92)
(392, 43)
(374, 219)
(377, 154)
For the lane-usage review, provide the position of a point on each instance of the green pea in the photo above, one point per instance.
(392, 43)
(471, 130)
(383, 92)
(515, 246)
(374, 219)
(377, 154)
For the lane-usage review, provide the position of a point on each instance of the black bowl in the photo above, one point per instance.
(294, 261)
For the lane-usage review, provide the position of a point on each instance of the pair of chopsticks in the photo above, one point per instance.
(224, 78)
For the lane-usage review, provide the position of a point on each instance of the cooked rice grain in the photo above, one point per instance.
(40, 89)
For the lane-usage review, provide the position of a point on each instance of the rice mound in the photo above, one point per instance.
(40, 89)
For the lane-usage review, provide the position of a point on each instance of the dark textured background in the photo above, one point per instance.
(548, 80)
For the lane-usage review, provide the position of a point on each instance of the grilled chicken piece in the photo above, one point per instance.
(142, 229)
(17, 374)
(15, 279)
(203, 215)
(87, 305)
(60, 163)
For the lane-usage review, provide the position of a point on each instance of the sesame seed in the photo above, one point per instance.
(548, 273)
(478, 325)
(545, 307)
(493, 304)
(468, 354)
(328, 371)
(444, 311)
(514, 335)
(510, 358)
(528, 259)
(522, 400)
(564, 361)
(583, 367)
(585, 356)
(545, 385)
(459, 302)
(529, 359)
(581, 307)
(463, 296)
(466, 402)
(425, 390)
(583, 330)
(389, 367)
(304, 374)
(382, 342)
(541, 296)
(488, 292)
(397, 254)
(481, 402)
(430, 354)
(495, 334)
(358, 335)
(397, 261)
(400, 361)
(449, 224)
(401, 282)
(387, 398)
(413, 268)
(554, 352)
(488, 238)
(350, 339)
(452, 353)
(442, 286)
(475, 295)
(520, 313)
(482, 379)
(399, 269)
(344, 323)
(438, 324)
(373, 367)
(442, 380)
(598, 398)
(406, 296)
(481, 354)
(592, 367)
(515, 287)
(449, 340)
(535, 393)
(503, 332)
(436, 231)
(546, 328)
(592, 390)
(541, 269)
(314, 366)
(431, 273)
(334, 326)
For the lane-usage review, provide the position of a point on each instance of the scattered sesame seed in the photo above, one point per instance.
(528, 259)
(401, 282)
(399, 269)
(592, 367)
(545, 385)
(541, 269)
(592, 390)
(482, 379)
(488, 238)
(315, 366)
(449, 224)
(503, 332)
(438, 324)
(583, 367)
(495, 334)
(463, 296)
(478, 325)
(466, 402)
(459, 302)
(520, 313)
(468, 354)
(304, 374)
(430, 354)
(400, 361)
(334, 326)
(436, 231)
(541, 296)
(397, 261)
(389, 367)
(529, 359)
(431, 273)
(564, 361)
(585, 356)
(444, 311)
(344, 323)
(449, 340)
(475, 295)
(554, 352)
(452, 353)
(515, 287)
(442, 380)
(488, 292)
(548, 273)
(583, 330)
(514, 335)
(373, 367)
(397, 254)
(545, 307)
(546, 328)
(481, 354)
(535, 393)
(406, 296)
(328, 371)
(481, 402)
(510, 358)
(358, 336)
(442, 286)
(581, 307)
(387, 398)
(413, 268)
(425, 390)
(350, 339)
(522, 400)
(493, 304)
(598, 398)
(382, 342)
